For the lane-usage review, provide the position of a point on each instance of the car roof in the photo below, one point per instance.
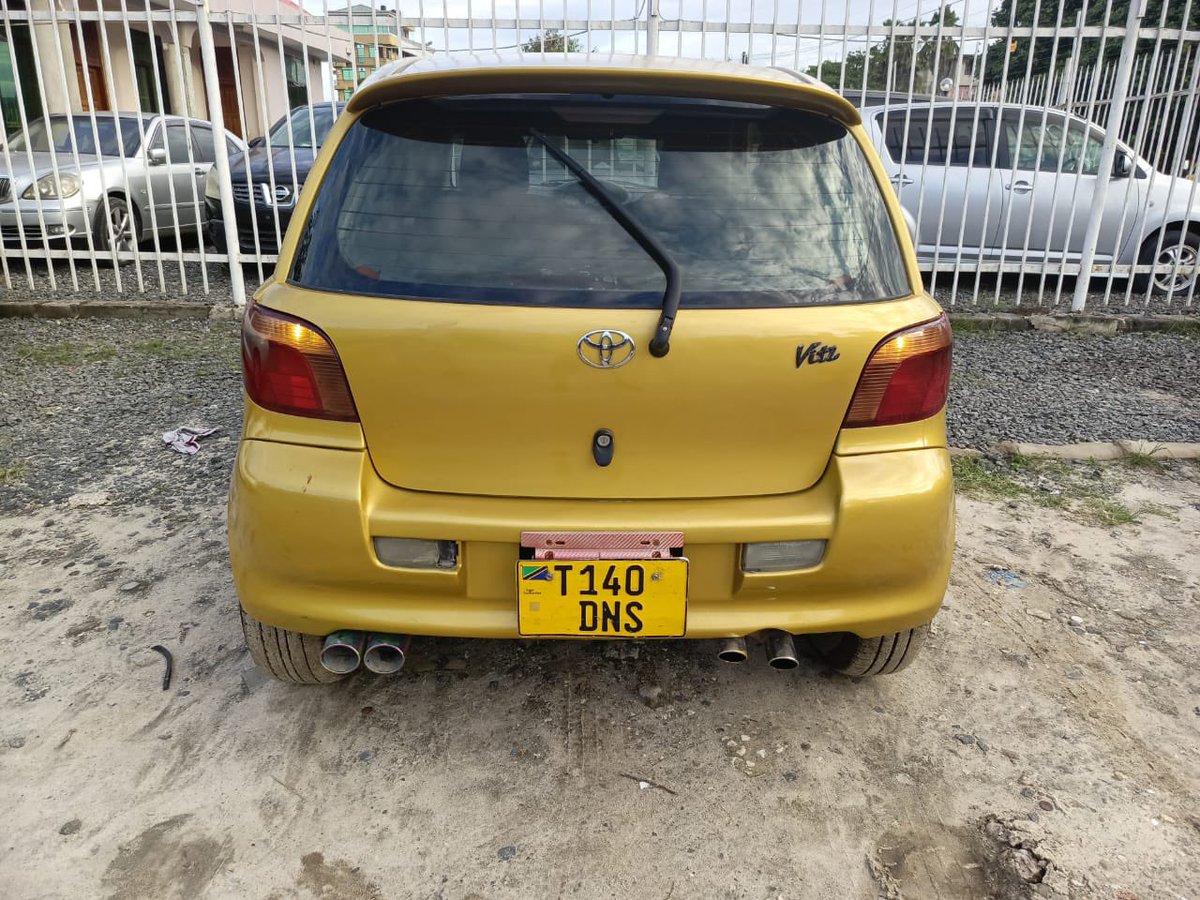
(449, 74)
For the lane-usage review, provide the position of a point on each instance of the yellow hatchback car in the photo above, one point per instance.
(569, 348)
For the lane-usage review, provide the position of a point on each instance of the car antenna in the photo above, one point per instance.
(660, 344)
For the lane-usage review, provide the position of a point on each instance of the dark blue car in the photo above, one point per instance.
(268, 177)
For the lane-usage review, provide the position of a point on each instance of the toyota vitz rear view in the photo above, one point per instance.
(558, 348)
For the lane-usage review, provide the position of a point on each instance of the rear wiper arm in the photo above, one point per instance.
(660, 344)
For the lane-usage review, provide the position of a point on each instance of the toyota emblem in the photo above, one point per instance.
(606, 349)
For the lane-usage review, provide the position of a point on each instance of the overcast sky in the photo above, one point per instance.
(788, 50)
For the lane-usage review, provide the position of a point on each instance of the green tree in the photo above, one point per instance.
(934, 59)
(1020, 14)
(551, 41)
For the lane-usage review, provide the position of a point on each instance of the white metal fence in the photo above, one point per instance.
(156, 147)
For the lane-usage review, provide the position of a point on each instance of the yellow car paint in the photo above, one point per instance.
(308, 496)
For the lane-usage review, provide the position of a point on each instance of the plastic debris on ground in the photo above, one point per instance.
(183, 439)
(1003, 577)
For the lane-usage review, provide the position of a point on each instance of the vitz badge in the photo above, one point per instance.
(816, 352)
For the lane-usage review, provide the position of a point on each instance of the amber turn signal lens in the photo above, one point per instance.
(289, 366)
(906, 377)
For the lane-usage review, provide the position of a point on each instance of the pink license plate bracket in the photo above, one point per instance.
(602, 544)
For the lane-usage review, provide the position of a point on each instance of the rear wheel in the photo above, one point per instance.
(860, 657)
(286, 655)
(1175, 265)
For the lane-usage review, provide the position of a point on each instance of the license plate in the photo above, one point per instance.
(602, 598)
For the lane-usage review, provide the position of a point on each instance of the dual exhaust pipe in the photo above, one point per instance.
(383, 654)
(781, 650)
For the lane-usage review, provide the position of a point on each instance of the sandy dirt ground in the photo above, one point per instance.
(1024, 744)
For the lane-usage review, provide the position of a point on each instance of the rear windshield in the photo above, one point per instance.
(454, 199)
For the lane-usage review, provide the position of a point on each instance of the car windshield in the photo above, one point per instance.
(453, 199)
(302, 126)
(58, 136)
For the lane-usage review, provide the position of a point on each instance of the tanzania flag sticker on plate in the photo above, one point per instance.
(602, 598)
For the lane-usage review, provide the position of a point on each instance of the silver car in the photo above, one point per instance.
(1012, 183)
(62, 179)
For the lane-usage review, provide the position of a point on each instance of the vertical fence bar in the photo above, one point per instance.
(1091, 234)
(1096, 78)
(74, 143)
(110, 86)
(37, 196)
(24, 124)
(212, 93)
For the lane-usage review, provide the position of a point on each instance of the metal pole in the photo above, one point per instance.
(651, 27)
(212, 92)
(1108, 153)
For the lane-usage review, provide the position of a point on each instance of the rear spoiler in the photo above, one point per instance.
(774, 87)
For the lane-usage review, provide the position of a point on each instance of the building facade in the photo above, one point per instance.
(378, 40)
(61, 61)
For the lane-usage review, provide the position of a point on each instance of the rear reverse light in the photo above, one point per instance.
(906, 377)
(291, 367)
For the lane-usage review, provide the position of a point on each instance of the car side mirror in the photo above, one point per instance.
(1122, 166)
(257, 142)
(157, 156)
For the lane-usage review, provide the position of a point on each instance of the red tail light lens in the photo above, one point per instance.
(289, 366)
(906, 377)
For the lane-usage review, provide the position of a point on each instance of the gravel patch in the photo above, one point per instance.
(1063, 388)
(86, 402)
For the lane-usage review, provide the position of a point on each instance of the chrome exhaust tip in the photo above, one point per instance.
(733, 650)
(781, 650)
(386, 653)
(342, 651)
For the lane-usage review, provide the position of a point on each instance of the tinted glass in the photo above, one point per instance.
(302, 127)
(953, 137)
(455, 200)
(40, 138)
(1050, 143)
(177, 143)
(202, 144)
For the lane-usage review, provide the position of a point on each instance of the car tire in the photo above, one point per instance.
(286, 655)
(125, 226)
(1174, 243)
(859, 657)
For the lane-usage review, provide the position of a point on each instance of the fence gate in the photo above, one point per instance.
(156, 147)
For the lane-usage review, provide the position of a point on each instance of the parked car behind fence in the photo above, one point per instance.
(268, 177)
(116, 179)
(1013, 186)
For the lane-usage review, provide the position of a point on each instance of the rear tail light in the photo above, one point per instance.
(291, 367)
(906, 377)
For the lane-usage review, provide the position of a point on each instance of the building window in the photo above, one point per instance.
(150, 70)
(16, 62)
(293, 69)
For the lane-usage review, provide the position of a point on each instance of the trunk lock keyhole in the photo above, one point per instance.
(602, 447)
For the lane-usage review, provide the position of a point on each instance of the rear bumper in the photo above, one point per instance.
(301, 519)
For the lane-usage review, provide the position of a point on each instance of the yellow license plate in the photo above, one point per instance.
(602, 598)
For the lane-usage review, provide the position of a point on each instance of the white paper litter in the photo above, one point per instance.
(183, 438)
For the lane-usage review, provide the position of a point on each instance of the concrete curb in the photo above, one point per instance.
(107, 309)
(1098, 450)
